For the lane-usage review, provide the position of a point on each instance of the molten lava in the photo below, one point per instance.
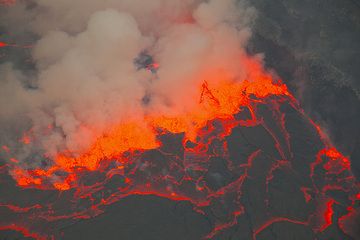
(222, 107)
(248, 125)
(220, 101)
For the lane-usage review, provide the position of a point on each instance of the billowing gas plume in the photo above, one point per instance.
(87, 79)
(133, 97)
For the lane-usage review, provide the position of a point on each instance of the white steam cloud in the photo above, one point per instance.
(86, 77)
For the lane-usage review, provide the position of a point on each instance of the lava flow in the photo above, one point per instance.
(242, 152)
(250, 126)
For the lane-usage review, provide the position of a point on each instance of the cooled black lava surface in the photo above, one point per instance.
(314, 46)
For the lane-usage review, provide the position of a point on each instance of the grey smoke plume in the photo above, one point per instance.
(86, 80)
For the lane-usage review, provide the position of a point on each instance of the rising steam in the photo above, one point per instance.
(133, 97)
(87, 78)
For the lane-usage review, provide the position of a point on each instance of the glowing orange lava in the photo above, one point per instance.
(218, 100)
(136, 153)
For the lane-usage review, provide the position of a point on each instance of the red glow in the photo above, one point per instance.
(328, 215)
(307, 196)
(26, 139)
(275, 220)
(153, 67)
(6, 148)
(203, 131)
(221, 100)
(20, 209)
(14, 160)
(348, 223)
(129, 136)
(24, 231)
(3, 44)
(7, 3)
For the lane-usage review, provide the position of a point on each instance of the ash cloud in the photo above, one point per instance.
(86, 81)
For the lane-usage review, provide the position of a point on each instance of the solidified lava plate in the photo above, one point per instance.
(264, 164)
(245, 158)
